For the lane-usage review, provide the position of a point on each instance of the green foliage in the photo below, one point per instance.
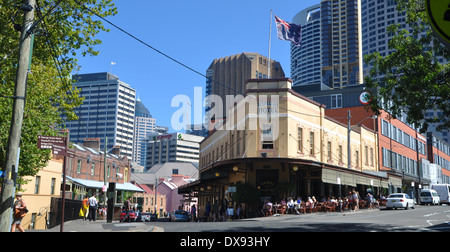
(68, 30)
(411, 79)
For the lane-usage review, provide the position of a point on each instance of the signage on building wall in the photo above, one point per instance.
(364, 98)
(438, 12)
(267, 107)
(162, 137)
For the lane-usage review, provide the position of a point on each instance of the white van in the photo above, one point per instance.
(429, 196)
(443, 190)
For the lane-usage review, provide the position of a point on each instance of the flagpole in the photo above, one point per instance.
(270, 40)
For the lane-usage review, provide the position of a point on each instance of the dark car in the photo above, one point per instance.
(132, 216)
(179, 215)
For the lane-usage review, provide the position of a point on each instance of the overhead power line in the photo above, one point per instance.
(180, 63)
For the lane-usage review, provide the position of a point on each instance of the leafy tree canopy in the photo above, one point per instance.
(65, 30)
(412, 79)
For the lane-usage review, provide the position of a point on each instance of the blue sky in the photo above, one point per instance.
(194, 32)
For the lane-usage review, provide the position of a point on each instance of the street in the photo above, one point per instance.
(420, 219)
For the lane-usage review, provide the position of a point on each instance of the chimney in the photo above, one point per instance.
(116, 150)
(93, 143)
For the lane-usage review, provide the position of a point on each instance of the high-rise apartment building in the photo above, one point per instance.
(305, 59)
(336, 26)
(107, 111)
(342, 63)
(348, 30)
(143, 125)
(229, 75)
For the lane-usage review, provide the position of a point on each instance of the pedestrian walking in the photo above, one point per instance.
(355, 200)
(215, 211)
(127, 208)
(84, 208)
(93, 205)
(20, 209)
(208, 211)
(193, 212)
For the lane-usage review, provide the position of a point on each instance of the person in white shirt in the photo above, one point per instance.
(93, 204)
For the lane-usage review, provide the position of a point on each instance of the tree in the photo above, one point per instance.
(64, 30)
(411, 79)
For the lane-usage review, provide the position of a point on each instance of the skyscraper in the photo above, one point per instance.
(305, 59)
(229, 75)
(342, 63)
(143, 125)
(107, 111)
(336, 26)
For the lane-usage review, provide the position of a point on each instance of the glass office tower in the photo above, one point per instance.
(108, 110)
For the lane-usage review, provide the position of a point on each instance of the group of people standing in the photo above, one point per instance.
(89, 207)
(222, 210)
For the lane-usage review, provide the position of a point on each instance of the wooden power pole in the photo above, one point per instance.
(7, 197)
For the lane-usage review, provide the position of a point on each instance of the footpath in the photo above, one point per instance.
(102, 226)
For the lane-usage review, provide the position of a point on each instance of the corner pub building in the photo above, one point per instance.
(306, 155)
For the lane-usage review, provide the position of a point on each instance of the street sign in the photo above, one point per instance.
(438, 12)
(46, 142)
(56, 144)
(59, 150)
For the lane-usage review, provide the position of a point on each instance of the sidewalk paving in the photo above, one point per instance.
(116, 226)
(102, 226)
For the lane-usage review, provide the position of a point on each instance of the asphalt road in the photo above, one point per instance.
(420, 219)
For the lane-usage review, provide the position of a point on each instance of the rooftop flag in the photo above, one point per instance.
(289, 31)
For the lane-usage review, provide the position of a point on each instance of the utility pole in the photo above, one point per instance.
(349, 151)
(7, 197)
(105, 175)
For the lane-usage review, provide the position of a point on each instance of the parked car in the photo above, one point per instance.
(397, 200)
(143, 217)
(429, 196)
(132, 216)
(179, 215)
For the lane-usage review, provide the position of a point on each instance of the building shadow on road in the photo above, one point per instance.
(329, 227)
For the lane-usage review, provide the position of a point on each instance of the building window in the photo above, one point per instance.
(300, 139)
(33, 221)
(52, 186)
(92, 168)
(366, 154)
(371, 156)
(311, 143)
(357, 158)
(329, 150)
(79, 166)
(336, 101)
(340, 153)
(267, 145)
(37, 184)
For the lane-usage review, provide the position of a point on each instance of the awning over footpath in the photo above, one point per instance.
(369, 178)
(99, 184)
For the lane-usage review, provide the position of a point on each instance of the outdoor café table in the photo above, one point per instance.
(276, 207)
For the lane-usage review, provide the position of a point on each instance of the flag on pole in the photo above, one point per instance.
(289, 31)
